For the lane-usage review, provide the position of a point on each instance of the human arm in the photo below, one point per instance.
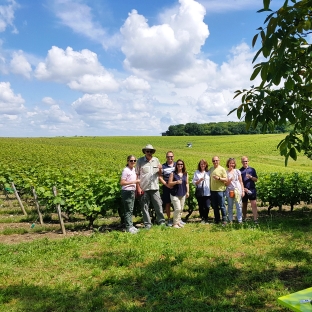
(187, 187)
(196, 179)
(173, 183)
(124, 182)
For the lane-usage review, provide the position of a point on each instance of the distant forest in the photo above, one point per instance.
(219, 128)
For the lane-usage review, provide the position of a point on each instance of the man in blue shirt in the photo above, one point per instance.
(249, 177)
(167, 168)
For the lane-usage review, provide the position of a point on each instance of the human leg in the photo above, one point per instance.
(244, 206)
(239, 211)
(253, 204)
(221, 203)
(200, 207)
(230, 202)
(206, 207)
(166, 200)
(128, 204)
(177, 208)
(215, 207)
(157, 204)
(145, 202)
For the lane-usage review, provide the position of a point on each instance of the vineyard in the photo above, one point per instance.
(85, 171)
(202, 267)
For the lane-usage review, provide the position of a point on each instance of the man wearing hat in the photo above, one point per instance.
(148, 170)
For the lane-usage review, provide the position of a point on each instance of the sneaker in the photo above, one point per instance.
(147, 227)
(133, 230)
(183, 223)
(256, 221)
(180, 225)
(204, 221)
(169, 223)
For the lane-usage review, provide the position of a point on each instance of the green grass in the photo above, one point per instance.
(197, 268)
(111, 152)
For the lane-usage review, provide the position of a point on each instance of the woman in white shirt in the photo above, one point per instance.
(234, 190)
(128, 183)
(201, 179)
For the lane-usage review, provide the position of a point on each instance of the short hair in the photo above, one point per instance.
(169, 152)
(202, 161)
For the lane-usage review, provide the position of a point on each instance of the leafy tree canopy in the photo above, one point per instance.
(285, 91)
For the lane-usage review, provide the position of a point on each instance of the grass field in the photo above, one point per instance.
(111, 152)
(202, 267)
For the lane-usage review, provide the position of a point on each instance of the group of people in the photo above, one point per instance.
(142, 176)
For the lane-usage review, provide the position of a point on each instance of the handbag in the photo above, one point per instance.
(199, 192)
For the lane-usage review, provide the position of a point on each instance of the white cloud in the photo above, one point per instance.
(80, 70)
(19, 64)
(95, 83)
(78, 16)
(98, 105)
(48, 100)
(10, 104)
(168, 48)
(133, 83)
(7, 15)
(217, 6)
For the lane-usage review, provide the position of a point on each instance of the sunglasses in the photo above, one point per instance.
(215, 160)
(180, 164)
(169, 156)
(149, 151)
(245, 161)
(132, 160)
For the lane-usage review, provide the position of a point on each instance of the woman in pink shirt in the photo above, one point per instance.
(128, 183)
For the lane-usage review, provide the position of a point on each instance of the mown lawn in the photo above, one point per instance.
(197, 268)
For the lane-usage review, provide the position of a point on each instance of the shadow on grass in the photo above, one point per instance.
(169, 283)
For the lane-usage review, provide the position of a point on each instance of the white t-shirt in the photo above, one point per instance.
(205, 184)
(128, 175)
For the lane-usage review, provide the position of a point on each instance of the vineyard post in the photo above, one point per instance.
(18, 199)
(37, 206)
(59, 212)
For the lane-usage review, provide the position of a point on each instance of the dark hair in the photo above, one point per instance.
(128, 158)
(228, 161)
(183, 169)
(206, 165)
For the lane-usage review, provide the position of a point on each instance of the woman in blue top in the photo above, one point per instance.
(178, 180)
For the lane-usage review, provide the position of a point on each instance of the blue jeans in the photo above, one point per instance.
(217, 203)
(238, 205)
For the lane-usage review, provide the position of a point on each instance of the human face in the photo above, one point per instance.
(202, 166)
(245, 162)
(131, 162)
(149, 154)
(180, 165)
(170, 158)
(232, 164)
(215, 161)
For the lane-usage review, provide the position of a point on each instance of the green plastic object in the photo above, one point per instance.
(299, 301)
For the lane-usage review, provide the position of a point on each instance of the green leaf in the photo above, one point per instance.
(254, 40)
(293, 153)
(255, 73)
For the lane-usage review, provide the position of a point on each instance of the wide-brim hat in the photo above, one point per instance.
(148, 147)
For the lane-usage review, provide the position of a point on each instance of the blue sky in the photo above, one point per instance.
(122, 67)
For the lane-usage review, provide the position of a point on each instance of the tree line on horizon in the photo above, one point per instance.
(220, 128)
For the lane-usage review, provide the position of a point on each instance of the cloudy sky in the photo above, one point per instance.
(122, 67)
